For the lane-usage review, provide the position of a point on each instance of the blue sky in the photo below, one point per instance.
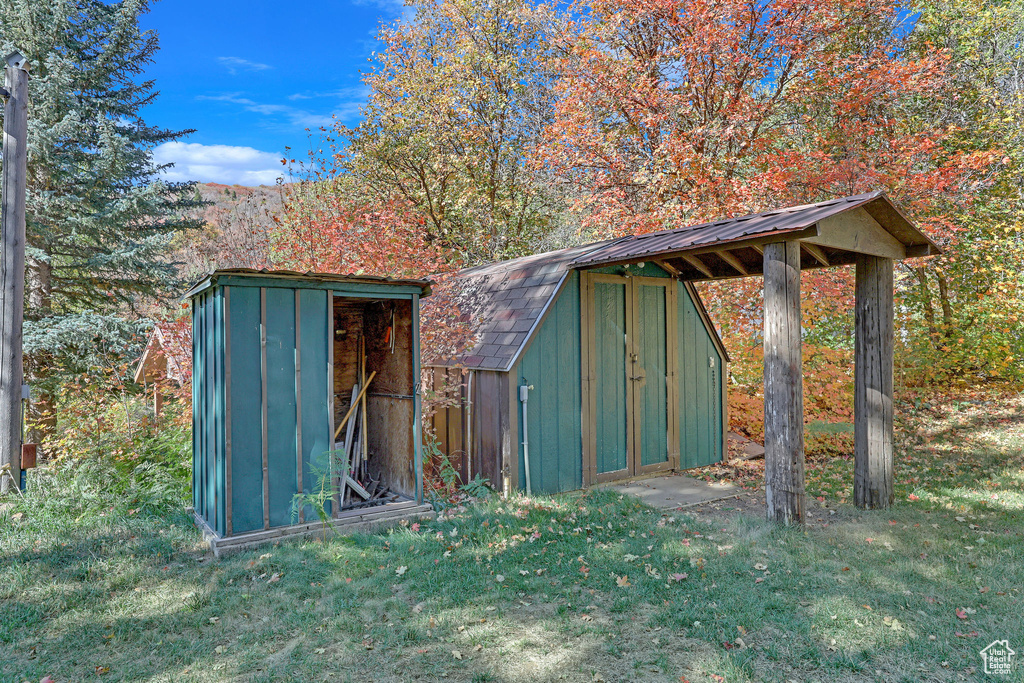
(250, 77)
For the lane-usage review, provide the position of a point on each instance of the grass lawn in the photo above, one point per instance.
(587, 586)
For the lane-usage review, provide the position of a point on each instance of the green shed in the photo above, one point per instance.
(276, 358)
(581, 375)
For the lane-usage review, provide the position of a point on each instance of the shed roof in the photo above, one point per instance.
(210, 279)
(740, 236)
(504, 301)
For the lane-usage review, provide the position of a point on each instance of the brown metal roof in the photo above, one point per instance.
(505, 300)
(778, 222)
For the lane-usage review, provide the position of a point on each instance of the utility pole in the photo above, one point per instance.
(12, 263)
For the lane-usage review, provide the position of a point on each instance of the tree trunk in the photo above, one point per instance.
(926, 302)
(947, 307)
(42, 416)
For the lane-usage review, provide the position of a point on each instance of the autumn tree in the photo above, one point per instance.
(965, 308)
(675, 111)
(458, 97)
(99, 219)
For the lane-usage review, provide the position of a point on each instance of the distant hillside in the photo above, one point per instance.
(238, 224)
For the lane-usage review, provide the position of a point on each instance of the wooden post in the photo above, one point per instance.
(872, 389)
(783, 384)
(12, 263)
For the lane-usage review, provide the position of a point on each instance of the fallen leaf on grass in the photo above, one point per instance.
(456, 654)
(401, 570)
(320, 650)
(912, 498)
(587, 617)
(972, 634)
(760, 566)
(500, 578)
(100, 670)
(960, 613)
(220, 649)
(418, 607)
(622, 581)
(678, 576)
(274, 578)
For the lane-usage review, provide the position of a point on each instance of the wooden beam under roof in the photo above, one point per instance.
(816, 252)
(697, 263)
(668, 268)
(729, 258)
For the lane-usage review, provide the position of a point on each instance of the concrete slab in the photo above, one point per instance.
(674, 491)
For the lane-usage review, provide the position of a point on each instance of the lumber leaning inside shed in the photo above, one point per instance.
(598, 362)
(278, 358)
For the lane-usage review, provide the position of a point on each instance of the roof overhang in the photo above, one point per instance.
(308, 280)
(830, 233)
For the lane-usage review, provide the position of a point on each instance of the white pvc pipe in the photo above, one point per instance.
(524, 396)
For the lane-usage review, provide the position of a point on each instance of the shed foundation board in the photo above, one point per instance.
(347, 522)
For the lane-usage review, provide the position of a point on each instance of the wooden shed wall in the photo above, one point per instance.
(701, 389)
(261, 396)
(551, 364)
(208, 407)
(484, 425)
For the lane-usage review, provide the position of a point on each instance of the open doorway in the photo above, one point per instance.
(374, 407)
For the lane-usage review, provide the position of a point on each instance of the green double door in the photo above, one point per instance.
(630, 376)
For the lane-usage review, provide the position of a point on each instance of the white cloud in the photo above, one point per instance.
(226, 164)
(295, 116)
(236, 64)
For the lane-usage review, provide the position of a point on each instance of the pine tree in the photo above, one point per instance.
(99, 218)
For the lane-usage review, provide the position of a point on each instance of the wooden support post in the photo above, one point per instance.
(872, 388)
(12, 265)
(783, 384)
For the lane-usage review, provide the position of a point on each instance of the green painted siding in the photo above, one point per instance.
(315, 390)
(246, 411)
(282, 445)
(228, 359)
(610, 382)
(653, 346)
(701, 435)
(551, 364)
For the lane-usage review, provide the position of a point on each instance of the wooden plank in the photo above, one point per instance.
(816, 252)
(783, 384)
(263, 395)
(873, 384)
(509, 388)
(668, 268)
(695, 261)
(245, 391)
(672, 371)
(228, 479)
(859, 232)
(282, 418)
(298, 403)
(12, 264)
(314, 390)
(332, 505)
(348, 522)
(651, 297)
(612, 344)
(729, 258)
(587, 379)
